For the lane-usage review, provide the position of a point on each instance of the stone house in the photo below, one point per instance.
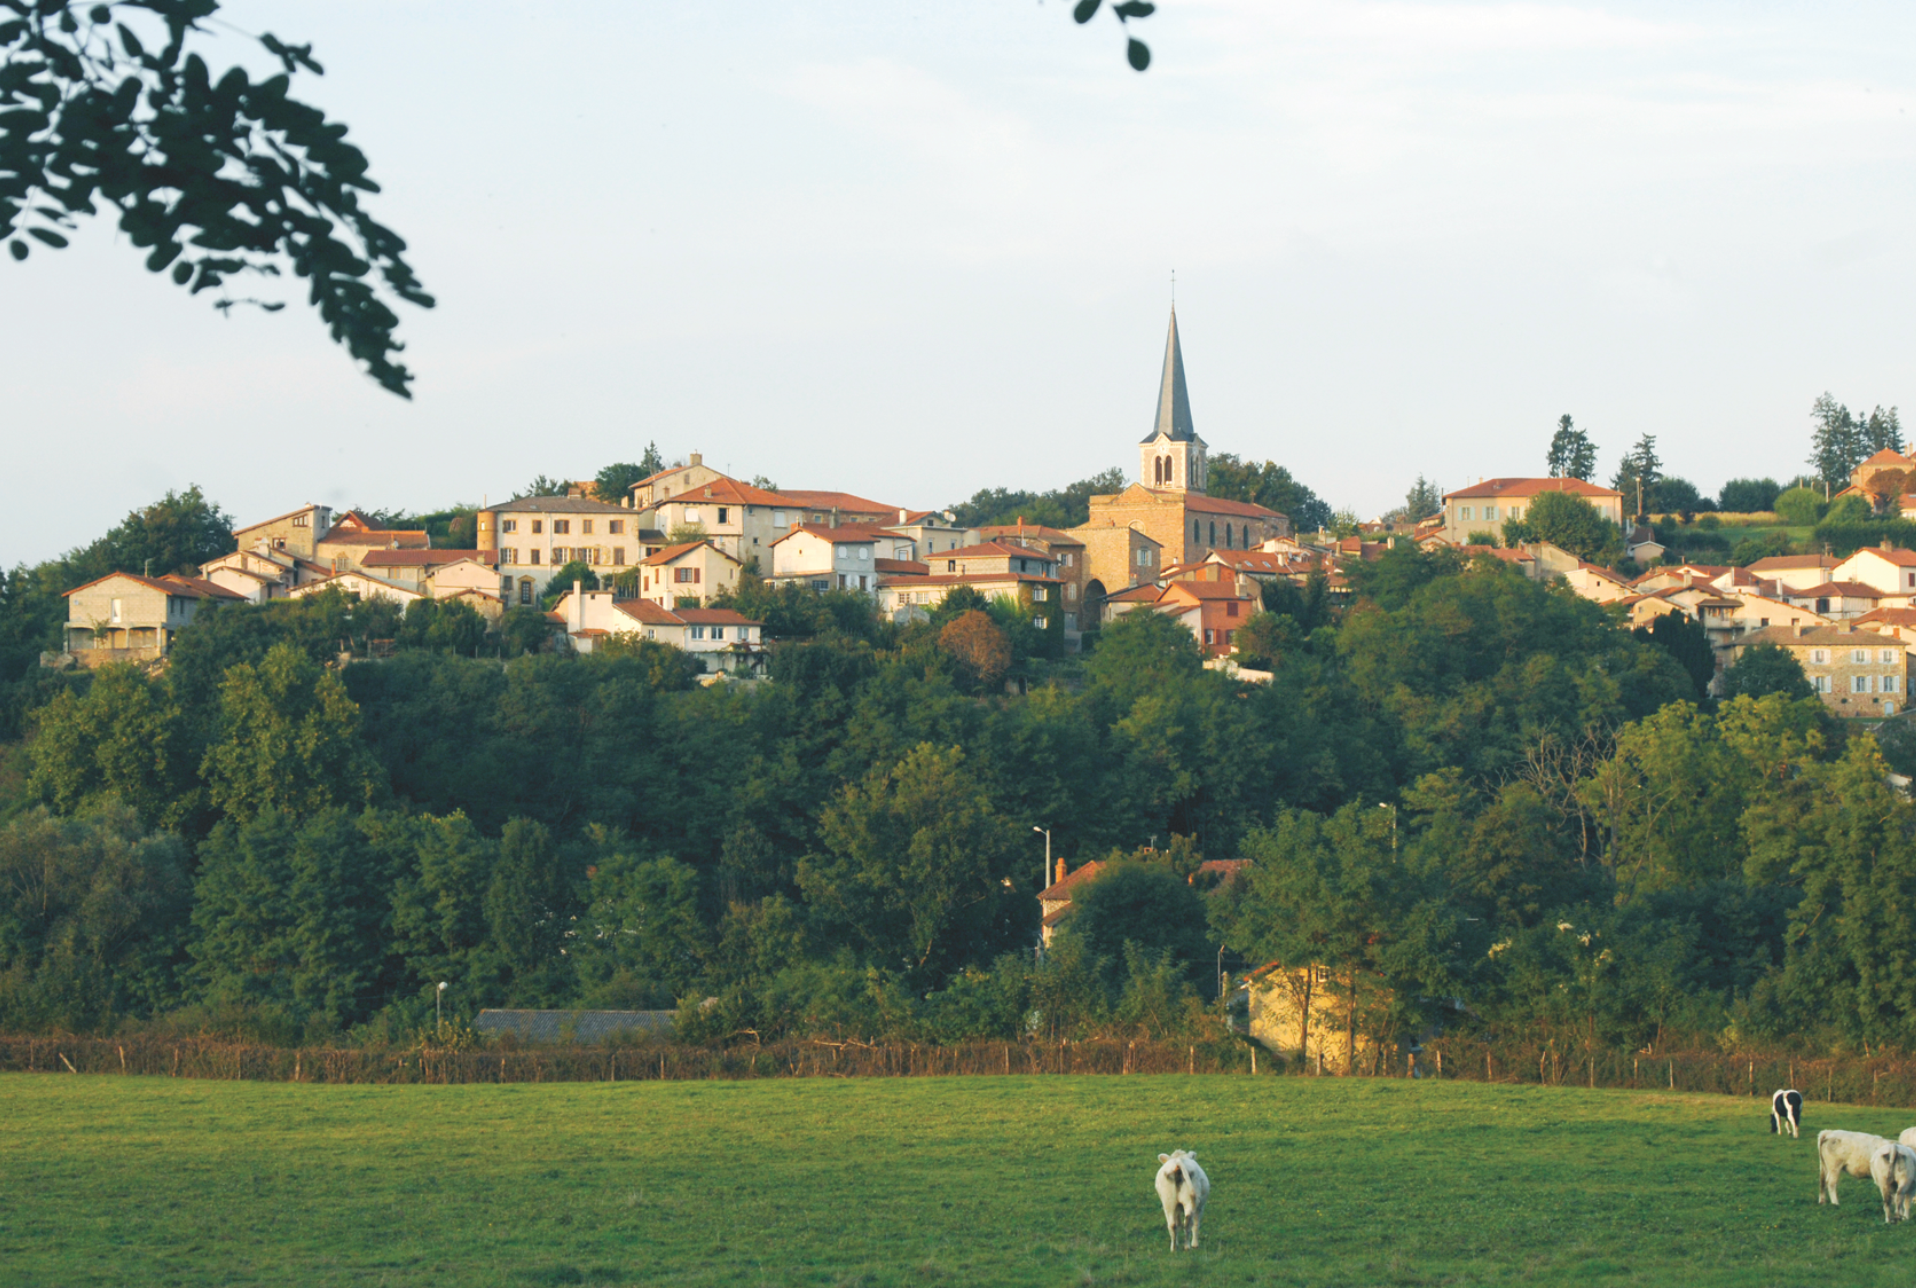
(1839, 600)
(696, 570)
(1067, 554)
(417, 569)
(738, 518)
(1485, 505)
(1855, 671)
(1213, 611)
(126, 618)
(841, 557)
(934, 530)
(344, 546)
(296, 532)
(722, 640)
(535, 536)
(362, 584)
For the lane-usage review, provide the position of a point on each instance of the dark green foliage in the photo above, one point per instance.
(1637, 476)
(1748, 496)
(1683, 637)
(92, 914)
(1148, 907)
(1846, 531)
(1842, 440)
(1064, 508)
(613, 484)
(212, 177)
(1763, 669)
(1269, 485)
(1570, 523)
(1800, 506)
(1572, 454)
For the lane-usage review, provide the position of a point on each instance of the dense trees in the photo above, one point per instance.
(1271, 486)
(1572, 454)
(1569, 522)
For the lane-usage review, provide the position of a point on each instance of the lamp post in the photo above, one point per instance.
(1046, 880)
(1393, 824)
(438, 1005)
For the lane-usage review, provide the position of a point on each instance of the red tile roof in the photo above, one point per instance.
(727, 489)
(1831, 589)
(672, 553)
(992, 550)
(714, 617)
(813, 500)
(1778, 563)
(425, 558)
(901, 567)
(1035, 530)
(1492, 489)
(191, 587)
(1218, 505)
(845, 533)
(1901, 558)
(1890, 616)
(1061, 891)
(304, 509)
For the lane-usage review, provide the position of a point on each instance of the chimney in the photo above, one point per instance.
(578, 605)
(1061, 867)
(695, 459)
(834, 516)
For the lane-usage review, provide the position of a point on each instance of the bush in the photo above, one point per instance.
(1748, 496)
(1800, 507)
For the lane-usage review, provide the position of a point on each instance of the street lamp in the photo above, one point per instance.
(438, 1005)
(1393, 823)
(1046, 879)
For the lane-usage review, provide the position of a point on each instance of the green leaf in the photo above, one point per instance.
(52, 239)
(1135, 9)
(130, 42)
(182, 271)
(18, 247)
(1139, 54)
(1086, 10)
(99, 15)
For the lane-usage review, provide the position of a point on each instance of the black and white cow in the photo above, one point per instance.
(1786, 1113)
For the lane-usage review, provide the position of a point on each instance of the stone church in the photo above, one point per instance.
(1167, 504)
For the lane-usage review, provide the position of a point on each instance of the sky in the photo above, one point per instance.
(909, 250)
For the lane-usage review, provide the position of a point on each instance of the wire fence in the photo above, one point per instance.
(1876, 1080)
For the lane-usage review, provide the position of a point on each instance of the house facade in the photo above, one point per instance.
(1854, 670)
(296, 532)
(837, 558)
(1484, 506)
(695, 571)
(535, 536)
(124, 618)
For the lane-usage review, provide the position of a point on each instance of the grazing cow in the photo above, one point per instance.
(1908, 1137)
(1840, 1154)
(1182, 1188)
(1893, 1168)
(1786, 1113)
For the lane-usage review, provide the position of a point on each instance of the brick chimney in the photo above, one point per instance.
(695, 459)
(1061, 867)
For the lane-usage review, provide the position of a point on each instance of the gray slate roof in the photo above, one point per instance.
(586, 1026)
(557, 505)
(1174, 401)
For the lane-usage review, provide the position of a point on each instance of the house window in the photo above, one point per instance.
(585, 527)
(532, 556)
(615, 527)
(561, 526)
(1038, 593)
(698, 632)
(722, 513)
(558, 554)
(1819, 657)
(302, 520)
(685, 576)
(508, 525)
(1490, 512)
(1071, 621)
(525, 590)
(864, 554)
(1227, 528)
(1891, 683)
(1210, 637)
(116, 611)
(1888, 656)
(1822, 683)
(1858, 656)
(778, 518)
(691, 514)
(538, 526)
(951, 565)
(1230, 609)
(1464, 512)
(1070, 590)
(1859, 684)
(1065, 559)
(618, 554)
(1038, 622)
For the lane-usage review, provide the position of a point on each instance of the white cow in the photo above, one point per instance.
(1893, 1167)
(1842, 1153)
(1908, 1137)
(1786, 1113)
(1182, 1188)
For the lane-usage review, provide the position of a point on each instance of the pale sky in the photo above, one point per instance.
(912, 249)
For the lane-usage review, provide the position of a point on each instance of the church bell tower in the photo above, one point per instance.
(1171, 457)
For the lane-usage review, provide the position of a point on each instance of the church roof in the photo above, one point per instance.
(1174, 401)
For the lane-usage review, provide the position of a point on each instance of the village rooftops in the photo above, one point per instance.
(190, 587)
(1784, 563)
(1495, 489)
(426, 558)
(278, 518)
(1889, 616)
(901, 567)
(845, 533)
(817, 500)
(1833, 589)
(992, 550)
(1203, 504)
(1036, 531)
(670, 553)
(1901, 558)
(727, 489)
(905, 582)
(1203, 590)
(557, 505)
(1844, 636)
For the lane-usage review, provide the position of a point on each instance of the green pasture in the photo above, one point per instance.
(992, 1181)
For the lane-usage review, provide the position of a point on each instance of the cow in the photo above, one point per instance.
(1182, 1188)
(1842, 1153)
(1908, 1137)
(1893, 1168)
(1786, 1113)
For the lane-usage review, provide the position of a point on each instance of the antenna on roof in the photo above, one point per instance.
(1174, 288)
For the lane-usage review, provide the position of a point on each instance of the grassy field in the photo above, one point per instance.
(998, 1181)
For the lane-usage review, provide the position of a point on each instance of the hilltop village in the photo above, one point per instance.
(664, 562)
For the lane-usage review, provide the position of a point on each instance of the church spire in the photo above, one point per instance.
(1174, 403)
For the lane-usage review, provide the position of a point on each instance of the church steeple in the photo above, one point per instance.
(1172, 455)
